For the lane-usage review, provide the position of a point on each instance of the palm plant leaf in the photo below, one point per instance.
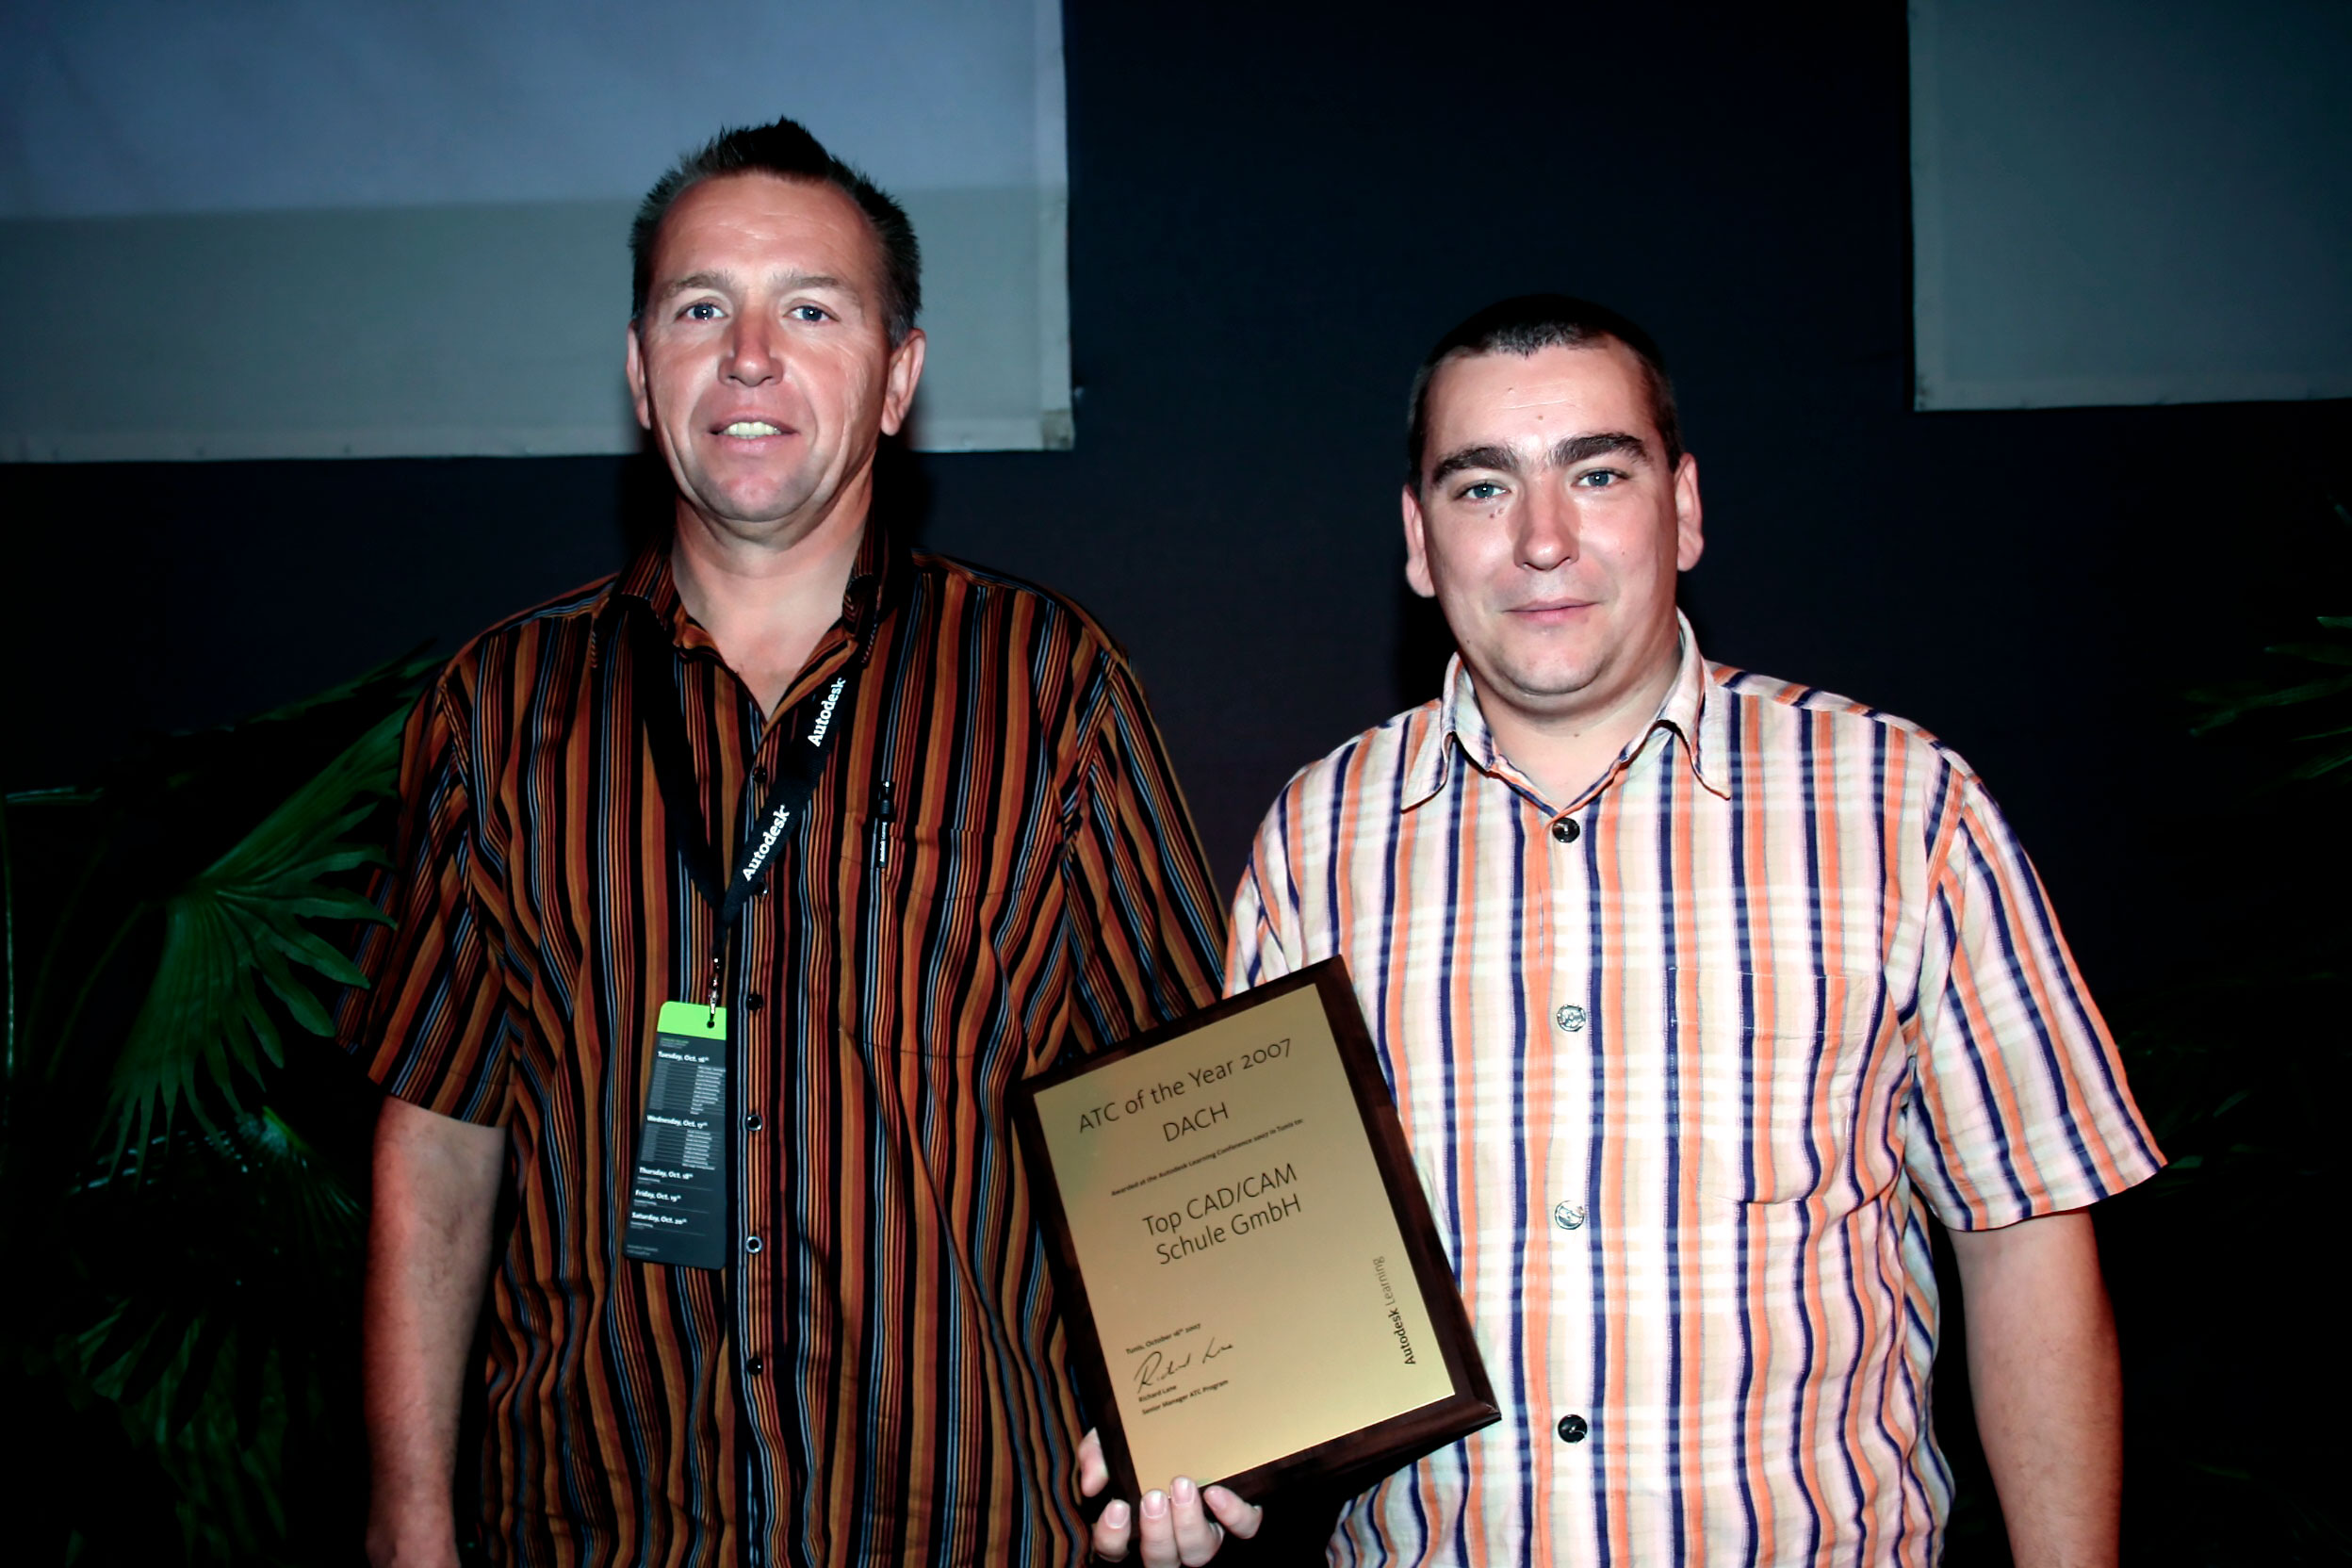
(202, 1303)
(240, 928)
(2226, 704)
(2320, 688)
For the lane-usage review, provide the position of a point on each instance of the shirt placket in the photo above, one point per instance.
(773, 1007)
(1566, 1207)
(762, 1013)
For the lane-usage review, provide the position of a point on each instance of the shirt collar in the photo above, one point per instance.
(876, 578)
(1691, 713)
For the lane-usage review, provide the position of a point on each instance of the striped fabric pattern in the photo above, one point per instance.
(879, 1376)
(1686, 1065)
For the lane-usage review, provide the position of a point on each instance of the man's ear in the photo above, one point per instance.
(636, 356)
(1417, 548)
(906, 374)
(1690, 539)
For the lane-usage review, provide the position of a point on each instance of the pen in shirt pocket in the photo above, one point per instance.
(884, 815)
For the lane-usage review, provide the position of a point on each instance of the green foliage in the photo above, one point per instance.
(2311, 696)
(2242, 1067)
(181, 1152)
(245, 915)
(2240, 1061)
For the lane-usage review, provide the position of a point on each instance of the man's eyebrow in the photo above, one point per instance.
(725, 282)
(790, 281)
(1581, 448)
(1500, 459)
(1567, 453)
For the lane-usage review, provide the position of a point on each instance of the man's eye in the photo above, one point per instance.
(701, 310)
(1484, 490)
(808, 313)
(1599, 479)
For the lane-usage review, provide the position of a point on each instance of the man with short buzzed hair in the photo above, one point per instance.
(1703, 994)
(732, 896)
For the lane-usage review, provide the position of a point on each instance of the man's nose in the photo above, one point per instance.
(751, 357)
(1547, 528)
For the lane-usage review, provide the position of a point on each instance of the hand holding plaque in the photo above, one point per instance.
(1254, 1289)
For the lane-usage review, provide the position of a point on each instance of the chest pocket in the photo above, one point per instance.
(1776, 1062)
(926, 962)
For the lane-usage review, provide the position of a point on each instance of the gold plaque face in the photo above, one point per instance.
(1247, 1278)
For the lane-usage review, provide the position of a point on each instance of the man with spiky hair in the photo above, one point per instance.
(1705, 997)
(731, 896)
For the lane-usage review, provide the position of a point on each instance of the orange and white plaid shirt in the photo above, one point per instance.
(1686, 1065)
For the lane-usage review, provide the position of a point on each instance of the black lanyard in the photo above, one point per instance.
(682, 1204)
(813, 727)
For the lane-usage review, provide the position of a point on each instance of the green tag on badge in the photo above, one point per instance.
(678, 1203)
(694, 1020)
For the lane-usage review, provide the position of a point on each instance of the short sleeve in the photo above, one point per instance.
(432, 1025)
(1142, 914)
(1264, 908)
(2019, 1106)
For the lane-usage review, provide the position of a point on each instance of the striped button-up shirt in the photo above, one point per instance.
(1685, 1064)
(879, 1375)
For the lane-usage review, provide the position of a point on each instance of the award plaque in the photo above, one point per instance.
(1254, 1292)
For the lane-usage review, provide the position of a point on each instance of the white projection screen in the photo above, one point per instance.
(335, 228)
(2131, 201)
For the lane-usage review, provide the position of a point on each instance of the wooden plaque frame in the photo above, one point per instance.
(1358, 1458)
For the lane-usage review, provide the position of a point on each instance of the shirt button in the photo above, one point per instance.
(754, 1002)
(1569, 1016)
(1572, 1429)
(1565, 830)
(755, 1366)
(752, 1123)
(752, 1243)
(759, 775)
(1568, 1217)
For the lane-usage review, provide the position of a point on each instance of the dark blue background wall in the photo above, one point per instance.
(1274, 210)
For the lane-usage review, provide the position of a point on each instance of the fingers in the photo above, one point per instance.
(1239, 1518)
(1193, 1534)
(1157, 1531)
(1093, 1474)
(1182, 1525)
(1154, 1527)
(1113, 1530)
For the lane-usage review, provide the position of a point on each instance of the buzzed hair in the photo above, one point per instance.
(1522, 326)
(787, 151)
